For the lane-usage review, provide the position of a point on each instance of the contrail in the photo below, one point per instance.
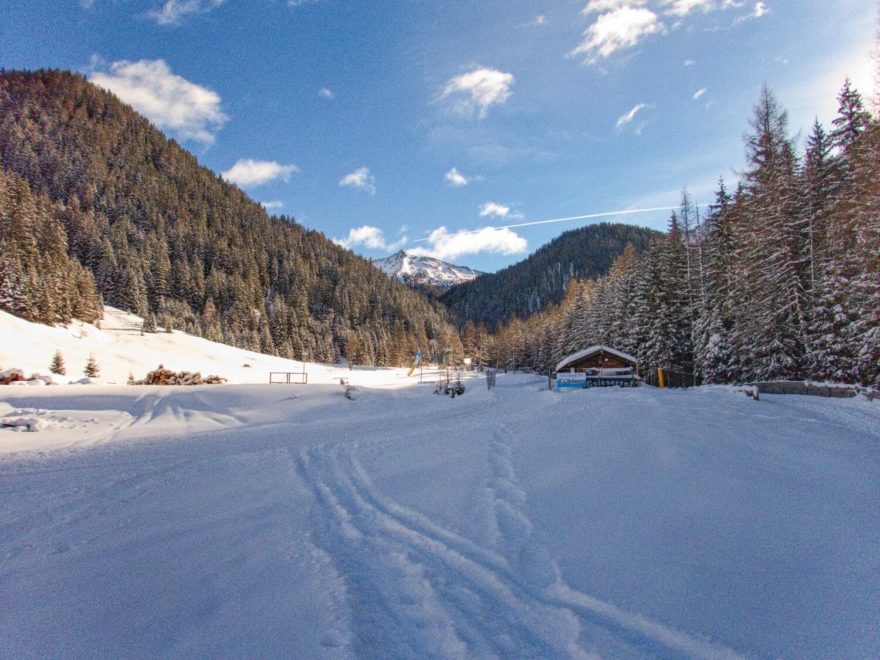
(604, 214)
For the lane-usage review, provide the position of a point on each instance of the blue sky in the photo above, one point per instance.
(401, 124)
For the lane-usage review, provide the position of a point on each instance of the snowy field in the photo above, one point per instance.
(288, 521)
(121, 350)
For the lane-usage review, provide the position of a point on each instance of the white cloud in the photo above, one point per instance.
(688, 63)
(494, 210)
(617, 29)
(685, 7)
(360, 179)
(249, 172)
(174, 11)
(326, 93)
(758, 11)
(188, 110)
(598, 6)
(478, 90)
(699, 94)
(369, 237)
(273, 205)
(627, 117)
(446, 246)
(671, 7)
(456, 179)
(87, 4)
(624, 23)
(538, 20)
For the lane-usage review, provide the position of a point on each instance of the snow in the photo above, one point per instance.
(412, 269)
(580, 355)
(267, 520)
(58, 429)
(120, 349)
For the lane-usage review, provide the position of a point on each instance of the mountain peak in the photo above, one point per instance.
(411, 269)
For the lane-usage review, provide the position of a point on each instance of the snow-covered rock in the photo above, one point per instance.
(31, 424)
(411, 269)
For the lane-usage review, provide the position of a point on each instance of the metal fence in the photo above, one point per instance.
(288, 377)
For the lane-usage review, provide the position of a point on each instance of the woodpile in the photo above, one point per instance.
(163, 376)
(11, 376)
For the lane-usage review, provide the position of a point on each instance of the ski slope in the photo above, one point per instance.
(272, 521)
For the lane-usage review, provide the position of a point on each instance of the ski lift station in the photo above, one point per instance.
(597, 366)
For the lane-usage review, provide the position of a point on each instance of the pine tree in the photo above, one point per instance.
(92, 370)
(771, 320)
(819, 184)
(843, 341)
(149, 324)
(57, 366)
(864, 295)
(852, 119)
(712, 351)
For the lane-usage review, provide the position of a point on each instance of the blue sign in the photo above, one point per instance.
(571, 380)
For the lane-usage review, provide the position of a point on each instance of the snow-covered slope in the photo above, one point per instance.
(411, 269)
(268, 521)
(120, 349)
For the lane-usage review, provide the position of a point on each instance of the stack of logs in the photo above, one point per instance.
(163, 376)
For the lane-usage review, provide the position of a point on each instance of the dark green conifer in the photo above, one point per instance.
(57, 366)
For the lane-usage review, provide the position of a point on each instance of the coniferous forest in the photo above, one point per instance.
(780, 279)
(95, 200)
(540, 280)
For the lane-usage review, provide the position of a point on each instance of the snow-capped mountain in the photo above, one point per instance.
(411, 269)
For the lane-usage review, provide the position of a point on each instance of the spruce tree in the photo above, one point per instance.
(771, 323)
(712, 350)
(57, 366)
(92, 370)
(852, 119)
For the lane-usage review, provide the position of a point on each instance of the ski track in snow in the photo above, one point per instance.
(417, 589)
(292, 481)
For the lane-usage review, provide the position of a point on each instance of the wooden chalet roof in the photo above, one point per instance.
(580, 355)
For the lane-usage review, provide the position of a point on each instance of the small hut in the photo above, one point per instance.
(597, 366)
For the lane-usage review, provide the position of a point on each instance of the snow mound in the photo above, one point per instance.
(31, 424)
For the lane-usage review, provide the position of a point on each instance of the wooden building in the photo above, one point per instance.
(597, 366)
(597, 357)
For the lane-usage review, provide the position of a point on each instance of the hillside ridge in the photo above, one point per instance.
(165, 236)
(540, 280)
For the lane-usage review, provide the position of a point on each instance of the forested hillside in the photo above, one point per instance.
(88, 181)
(540, 280)
(39, 280)
(781, 281)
